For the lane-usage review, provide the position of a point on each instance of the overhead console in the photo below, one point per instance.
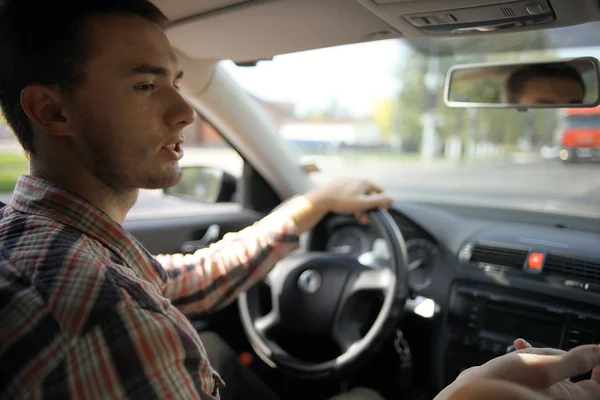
(484, 18)
(469, 17)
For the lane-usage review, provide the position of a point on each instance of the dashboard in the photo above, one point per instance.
(495, 275)
(347, 236)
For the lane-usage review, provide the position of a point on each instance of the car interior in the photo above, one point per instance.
(457, 283)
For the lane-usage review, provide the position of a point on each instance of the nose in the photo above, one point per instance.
(180, 113)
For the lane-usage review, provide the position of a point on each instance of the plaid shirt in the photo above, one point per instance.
(87, 313)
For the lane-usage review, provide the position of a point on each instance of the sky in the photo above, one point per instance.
(357, 76)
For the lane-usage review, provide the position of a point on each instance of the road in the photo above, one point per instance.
(532, 184)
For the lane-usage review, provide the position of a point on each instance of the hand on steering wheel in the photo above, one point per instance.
(314, 293)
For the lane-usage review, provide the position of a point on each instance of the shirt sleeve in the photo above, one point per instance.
(213, 277)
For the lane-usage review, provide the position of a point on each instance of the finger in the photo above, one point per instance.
(596, 374)
(362, 218)
(544, 351)
(371, 187)
(577, 361)
(588, 390)
(541, 368)
(521, 344)
(376, 200)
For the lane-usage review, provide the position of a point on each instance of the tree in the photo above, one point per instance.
(502, 126)
(384, 116)
(411, 101)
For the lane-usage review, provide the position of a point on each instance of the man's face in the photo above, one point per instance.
(552, 90)
(127, 116)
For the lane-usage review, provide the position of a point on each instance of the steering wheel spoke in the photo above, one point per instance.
(370, 279)
(345, 337)
(267, 322)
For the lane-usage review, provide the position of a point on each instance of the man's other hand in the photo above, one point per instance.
(543, 373)
(570, 364)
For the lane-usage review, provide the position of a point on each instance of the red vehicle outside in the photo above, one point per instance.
(580, 138)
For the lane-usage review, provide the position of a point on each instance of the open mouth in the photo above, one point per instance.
(174, 147)
(174, 150)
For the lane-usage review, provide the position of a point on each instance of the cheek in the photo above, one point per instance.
(135, 118)
(137, 127)
(145, 132)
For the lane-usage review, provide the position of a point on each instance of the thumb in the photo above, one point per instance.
(521, 344)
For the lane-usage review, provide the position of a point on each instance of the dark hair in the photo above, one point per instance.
(44, 42)
(518, 79)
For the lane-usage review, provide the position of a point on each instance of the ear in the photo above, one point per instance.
(42, 104)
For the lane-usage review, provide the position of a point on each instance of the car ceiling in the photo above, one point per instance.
(251, 30)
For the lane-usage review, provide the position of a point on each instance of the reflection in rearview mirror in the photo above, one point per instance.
(541, 84)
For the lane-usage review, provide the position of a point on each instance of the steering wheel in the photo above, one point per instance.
(315, 293)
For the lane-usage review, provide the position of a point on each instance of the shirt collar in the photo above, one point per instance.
(40, 197)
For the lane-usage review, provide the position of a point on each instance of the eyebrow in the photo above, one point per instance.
(153, 70)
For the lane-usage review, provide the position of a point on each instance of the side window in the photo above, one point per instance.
(211, 167)
(205, 146)
(13, 162)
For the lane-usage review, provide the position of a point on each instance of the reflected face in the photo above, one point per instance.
(551, 90)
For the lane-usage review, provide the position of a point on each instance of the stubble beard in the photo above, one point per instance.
(111, 163)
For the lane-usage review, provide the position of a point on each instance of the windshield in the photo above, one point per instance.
(376, 110)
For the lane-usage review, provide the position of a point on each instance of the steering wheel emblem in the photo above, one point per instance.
(309, 281)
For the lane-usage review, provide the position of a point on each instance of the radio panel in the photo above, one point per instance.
(483, 324)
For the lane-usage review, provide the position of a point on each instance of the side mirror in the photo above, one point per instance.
(205, 185)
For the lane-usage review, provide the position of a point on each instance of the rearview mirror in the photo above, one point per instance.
(205, 185)
(562, 83)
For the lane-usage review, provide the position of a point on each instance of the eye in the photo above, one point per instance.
(145, 87)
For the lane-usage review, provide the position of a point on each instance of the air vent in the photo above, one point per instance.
(503, 256)
(574, 268)
(509, 12)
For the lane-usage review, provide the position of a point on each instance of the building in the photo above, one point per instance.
(330, 135)
(325, 135)
(202, 133)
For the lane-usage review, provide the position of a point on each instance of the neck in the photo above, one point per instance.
(82, 182)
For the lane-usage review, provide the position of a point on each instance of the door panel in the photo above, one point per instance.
(166, 235)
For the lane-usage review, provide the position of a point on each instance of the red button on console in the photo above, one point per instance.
(535, 261)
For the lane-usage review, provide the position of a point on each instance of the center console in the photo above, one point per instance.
(484, 322)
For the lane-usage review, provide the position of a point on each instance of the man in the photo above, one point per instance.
(545, 84)
(85, 311)
(90, 89)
